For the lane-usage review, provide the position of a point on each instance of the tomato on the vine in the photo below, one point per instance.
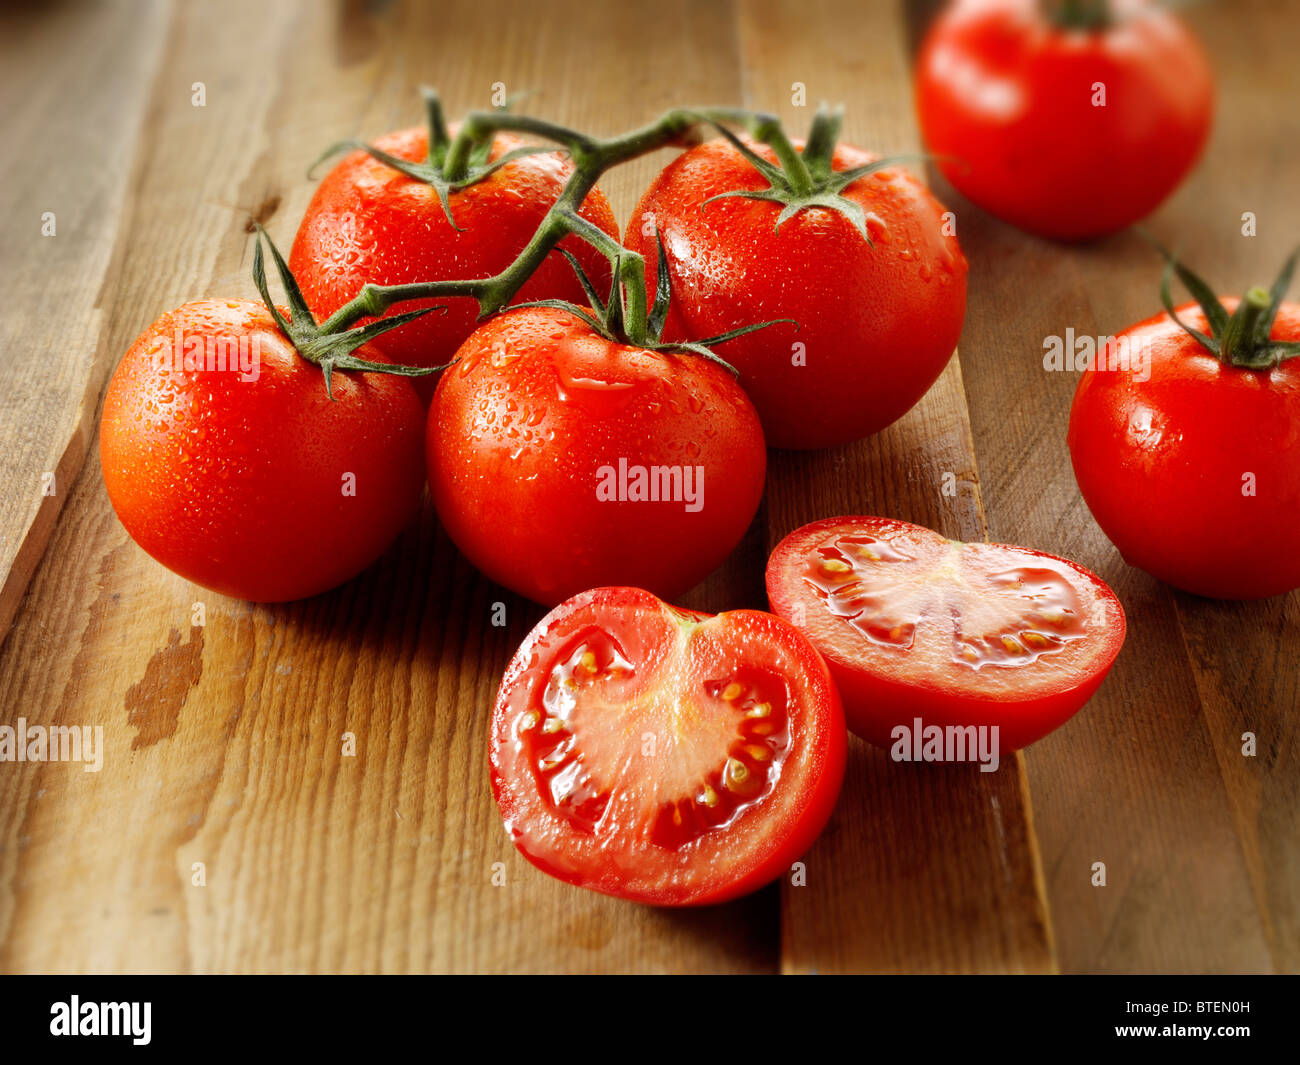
(913, 625)
(1186, 450)
(371, 223)
(871, 276)
(662, 755)
(1070, 120)
(226, 459)
(560, 459)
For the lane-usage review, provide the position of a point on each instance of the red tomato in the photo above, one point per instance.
(1011, 102)
(913, 625)
(559, 459)
(370, 223)
(1193, 473)
(876, 324)
(662, 755)
(255, 484)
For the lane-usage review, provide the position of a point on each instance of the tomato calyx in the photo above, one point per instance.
(452, 163)
(1242, 339)
(1087, 15)
(798, 181)
(623, 317)
(327, 349)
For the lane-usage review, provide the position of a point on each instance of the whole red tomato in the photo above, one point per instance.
(1070, 131)
(876, 323)
(560, 459)
(227, 461)
(1193, 472)
(368, 222)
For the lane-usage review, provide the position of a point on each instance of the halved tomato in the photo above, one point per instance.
(914, 625)
(662, 755)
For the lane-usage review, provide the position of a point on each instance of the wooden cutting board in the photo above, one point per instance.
(224, 742)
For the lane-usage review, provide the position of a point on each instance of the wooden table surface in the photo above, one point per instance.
(224, 741)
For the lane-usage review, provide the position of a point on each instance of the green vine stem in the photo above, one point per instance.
(1088, 15)
(797, 181)
(328, 350)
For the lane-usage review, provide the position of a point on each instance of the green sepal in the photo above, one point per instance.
(1243, 338)
(572, 308)
(828, 183)
(663, 289)
(731, 334)
(597, 304)
(329, 351)
(1210, 343)
(1264, 327)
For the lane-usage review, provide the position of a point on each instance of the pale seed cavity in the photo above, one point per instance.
(843, 577)
(848, 577)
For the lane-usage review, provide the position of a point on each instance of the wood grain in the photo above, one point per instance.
(878, 895)
(82, 75)
(225, 741)
(1149, 778)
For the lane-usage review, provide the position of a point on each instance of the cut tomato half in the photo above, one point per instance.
(662, 755)
(913, 625)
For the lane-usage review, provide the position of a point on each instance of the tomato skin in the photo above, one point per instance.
(238, 485)
(536, 407)
(1162, 463)
(370, 223)
(619, 857)
(877, 323)
(874, 705)
(880, 694)
(1005, 100)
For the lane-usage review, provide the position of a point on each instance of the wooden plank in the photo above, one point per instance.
(1245, 657)
(921, 869)
(1201, 871)
(223, 742)
(81, 74)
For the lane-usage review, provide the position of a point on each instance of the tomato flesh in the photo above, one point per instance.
(663, 755)
(912, 624)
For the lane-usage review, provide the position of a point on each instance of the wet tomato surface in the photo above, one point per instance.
(370, 223)
(875, 322)
(256, 484)
(1190, 465)
(561, 460)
